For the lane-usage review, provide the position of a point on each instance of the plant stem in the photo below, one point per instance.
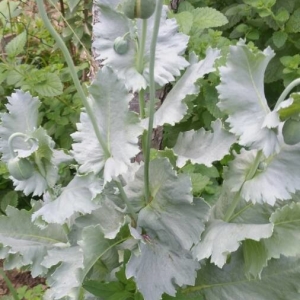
(142, 43)
(9, 285)
(158, 10)
(140, 68)
(73, 73)
(142, 103)
(237, 196)
(126, 200)
(15, 135)
(286, 91)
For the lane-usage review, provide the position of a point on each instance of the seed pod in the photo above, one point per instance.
(142, 9)
(121, 45)
(20, 168)
(291, 132)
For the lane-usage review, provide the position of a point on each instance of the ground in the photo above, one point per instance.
(18, 279)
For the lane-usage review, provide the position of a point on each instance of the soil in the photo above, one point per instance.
(18, 279)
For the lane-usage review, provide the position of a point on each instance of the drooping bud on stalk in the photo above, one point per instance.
(20, 168)
(291, 132)
(121, 45)
(142, 9)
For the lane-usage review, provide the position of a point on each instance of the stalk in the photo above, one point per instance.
(237, 196)
(158, 10)
(9, 285)
(286, 91)
(15, 135)
(126, 201)
(73, 73)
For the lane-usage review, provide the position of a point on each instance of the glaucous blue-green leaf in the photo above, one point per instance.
(45, 173)
(118, 126)
(26, 242)
(221, 238)
(242, 98)
(169, 48)
(159, 267)
(277, 177)
(172, 223)
(22, 117)
(76, 197)
(171, 214)
(285, 240)
(203, 147)
(110, 214)
(174, 107)
(66, 279)
(280, 280)
(75, 262)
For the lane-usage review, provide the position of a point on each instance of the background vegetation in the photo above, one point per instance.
(30, 60)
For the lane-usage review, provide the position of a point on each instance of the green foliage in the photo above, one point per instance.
(214, 214)
(27, 293)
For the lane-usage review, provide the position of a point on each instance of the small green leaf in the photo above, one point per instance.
(282, 15)
(48, 85)
(185, 21)
(293, 24)
(16, 45)
(104, 290)
(279, 38)
(207, 17)
(10, 198)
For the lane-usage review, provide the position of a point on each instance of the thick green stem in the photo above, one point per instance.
(237, 196)
(126, 201)
(286, 91)
(73, 73)
(158, 10)
(9, 285)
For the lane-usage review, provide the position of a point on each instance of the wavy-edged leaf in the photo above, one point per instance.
(221, 238)
(46, 172)
(173, 108)
(110, 214)
(285, 240)
(76, 197)
(171, 214)
(278, 177)
(159, 267)
(203, 147)
(66, 279)
(22, 116)
(242, 98)
(75, 262)
(172, 223)
(26, 242)
(118, 126)
(169, 49)
(280, 280)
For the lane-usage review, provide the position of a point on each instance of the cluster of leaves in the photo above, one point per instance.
(30, 61)
(194, 235)
(27, 293)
